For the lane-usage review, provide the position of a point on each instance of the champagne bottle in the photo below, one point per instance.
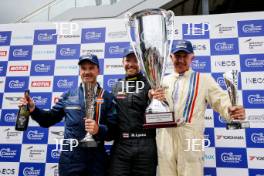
(23, 115)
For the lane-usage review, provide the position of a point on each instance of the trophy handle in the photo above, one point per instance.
(169, 20)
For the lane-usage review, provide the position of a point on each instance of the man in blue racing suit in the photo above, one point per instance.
(81, 161)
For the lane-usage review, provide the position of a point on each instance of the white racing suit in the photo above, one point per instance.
(188, 95)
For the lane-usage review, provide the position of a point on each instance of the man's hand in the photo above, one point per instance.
(237, 112)
(27, 101)
(91, 126)
(158, 94)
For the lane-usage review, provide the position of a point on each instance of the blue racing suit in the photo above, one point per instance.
(71, 105)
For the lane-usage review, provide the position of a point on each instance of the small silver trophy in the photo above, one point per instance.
(231, 82)
(88, 140)
(152, 46)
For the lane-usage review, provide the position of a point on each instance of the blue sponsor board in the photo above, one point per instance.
(209, 134)
(45, 37)
(16, 84)
(218, 120)
(68, 51)
(209, 171)
(250, 28)
(1, 100)
(115, 49)
(42, 100)
(101, 66)
(231, 157)
(221, 82)
(201, 64)
(42, 68)
(253, 99)
(64, 83)
(35, 135)
(110, 81)
(195, 30)
(10, 152)
(255, 137)
(5, 38)
(227, 46)
(93, 35)
(3, 67)
(252, 62)
(255, 172)
(8, 117)
(20, 52)
(53, 154)
(31, 169)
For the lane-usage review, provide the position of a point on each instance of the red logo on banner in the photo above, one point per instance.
(3, 53)
(40, 83)
(18, 68)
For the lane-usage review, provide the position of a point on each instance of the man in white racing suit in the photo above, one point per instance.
(188, 93)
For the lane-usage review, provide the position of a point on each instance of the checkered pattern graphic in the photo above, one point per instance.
(43, 57)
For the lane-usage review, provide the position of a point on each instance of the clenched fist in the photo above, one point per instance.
(91, 126)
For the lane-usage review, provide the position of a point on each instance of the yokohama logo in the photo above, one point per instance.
(3, 53)
(19, 68)
(40, 83)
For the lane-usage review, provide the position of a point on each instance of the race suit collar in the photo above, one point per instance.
(186, 73)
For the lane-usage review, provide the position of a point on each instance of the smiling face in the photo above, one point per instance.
(181, 61)
(89, 72)
(130, 65)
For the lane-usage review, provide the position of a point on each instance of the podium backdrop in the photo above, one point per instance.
(43, 57)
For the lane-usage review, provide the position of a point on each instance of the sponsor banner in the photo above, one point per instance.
(70, 67)
(3, 68)
(110, 81)
(10, 152)
(22, 37)
(250, 28)
(115, 49)
(231, 157)
(45, 37)
(53, 154)
(16, 84)
(252, 80)
(41, 83)
(256, 172)
(209, 157)
(68, 51)
(18, 68)
(9, 168)
(4, 53)
(225, 63)
(35, 135)
(201, 47)
(64, 83)
(8, 117)
(253, 99)
(5, 37)
(11, 100)
(41, 100)
(255, 158)
(209, 171)
(93, 35)
(113, 66)
(33, 153)
(255, 117)
(232, 172)
(209, 118)
(252, 45)
(201, 64)
(223, 29)
(42, 68)
(252, 62)
(2, 84)
(9, 135)
(55, 134)
(52, 169)
(20, 52)
(255, 138)
(44, 52)
(31, 169)
(97, 49)
(229, 138)
(227, 46)
(209, 135)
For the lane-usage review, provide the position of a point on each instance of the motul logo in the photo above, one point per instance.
(40, 83)
(259, 158)
(18, 68)
(3, 53)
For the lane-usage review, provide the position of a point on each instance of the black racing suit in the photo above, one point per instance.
(134, 152)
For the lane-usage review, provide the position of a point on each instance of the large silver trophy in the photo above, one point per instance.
(231, 82)
(148, 31)
(88, 140)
